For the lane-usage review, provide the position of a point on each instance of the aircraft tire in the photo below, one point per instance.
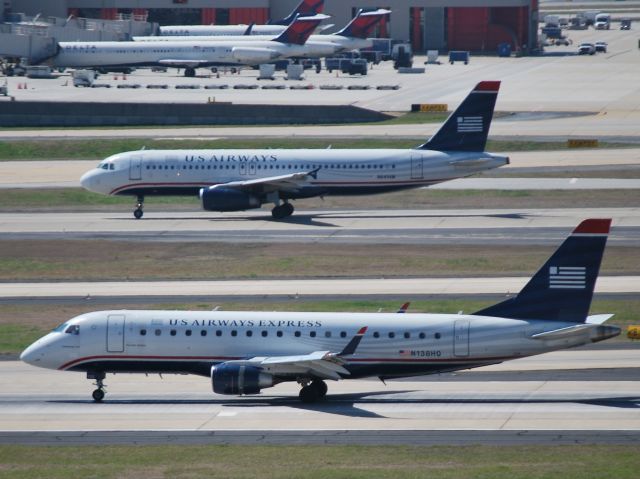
(189, 72)
(98, 395)
(138, 213)
(321, 387)
(309, 394)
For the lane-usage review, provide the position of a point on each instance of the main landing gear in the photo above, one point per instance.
(98, 393)
(189, 72)
(138, 211)
(282, 211)
(313, 391)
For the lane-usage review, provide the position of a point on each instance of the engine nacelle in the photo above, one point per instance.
(238, 379)
(254, 55)
(227, 199)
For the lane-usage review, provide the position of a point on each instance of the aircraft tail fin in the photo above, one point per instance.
(300, 30)
(563, 288)
(467, 128)
(363, 23)
(304, 8)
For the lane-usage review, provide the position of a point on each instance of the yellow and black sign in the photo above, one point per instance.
(633, 332)
(430, 107)
(582, 143)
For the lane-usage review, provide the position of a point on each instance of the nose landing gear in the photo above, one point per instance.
(98, 393)
(137, 213)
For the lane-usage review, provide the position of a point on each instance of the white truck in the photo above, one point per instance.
(83, 78)
(602, 21)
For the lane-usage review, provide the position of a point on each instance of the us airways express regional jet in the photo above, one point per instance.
(235, 180)
(244, 352)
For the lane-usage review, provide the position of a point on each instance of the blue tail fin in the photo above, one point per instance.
(363, 23)
(305, 8)
(467, 128)
(563, 288)
(300, 30)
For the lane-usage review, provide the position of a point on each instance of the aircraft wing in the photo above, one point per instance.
(290, 182)
(182, 63)
(319, 364)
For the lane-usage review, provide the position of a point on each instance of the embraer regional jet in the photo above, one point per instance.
(236, 180)
(244, 352)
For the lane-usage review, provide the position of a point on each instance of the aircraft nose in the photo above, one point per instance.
(89, 181)
(31, 355)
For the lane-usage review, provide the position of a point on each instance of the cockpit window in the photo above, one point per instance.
(73, 329)
(61, 328)
(111, 166)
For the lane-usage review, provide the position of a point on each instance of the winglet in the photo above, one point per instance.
(594, 226)
(404, 307)
(249, 29)
(350, 348)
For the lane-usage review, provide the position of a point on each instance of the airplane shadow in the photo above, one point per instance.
(348, 404)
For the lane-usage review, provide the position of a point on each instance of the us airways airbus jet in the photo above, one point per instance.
(305, 8)
(353, 36)
(245, 352)
(235, 180)
(190, 54)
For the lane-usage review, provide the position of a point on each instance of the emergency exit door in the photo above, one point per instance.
(417, 172)
(461, 338)
(135, 168)
(115, 333)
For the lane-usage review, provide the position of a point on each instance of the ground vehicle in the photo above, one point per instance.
(603, 21)
(601, 47)
(586, 49)
(625, 24)
(83, 78)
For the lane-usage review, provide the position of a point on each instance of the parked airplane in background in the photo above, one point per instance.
(188, 55)
(244, 352)
(304, 8)
(235, 180)
(353, 36)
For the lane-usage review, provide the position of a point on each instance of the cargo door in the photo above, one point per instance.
(417, 172)
(461, 338)
(115, 333)
(135, 168)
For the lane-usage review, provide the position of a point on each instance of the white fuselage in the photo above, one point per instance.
(191, 342)
(347, 171)
(179, 54)
(220, 30)
(316, 45)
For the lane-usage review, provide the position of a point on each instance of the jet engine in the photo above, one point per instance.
(237, 379)
(227, 199)
(254, 55)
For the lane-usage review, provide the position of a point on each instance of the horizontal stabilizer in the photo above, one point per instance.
(598, 318)
(562, 333)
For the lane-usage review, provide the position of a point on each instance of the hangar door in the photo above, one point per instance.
(115, 333)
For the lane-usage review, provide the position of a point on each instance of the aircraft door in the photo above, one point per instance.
(461, 338)
(115, 333)
(417, 172)
(252, 168)
(135, 168)
(243, 167)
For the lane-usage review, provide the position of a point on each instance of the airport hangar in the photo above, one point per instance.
(472, 25)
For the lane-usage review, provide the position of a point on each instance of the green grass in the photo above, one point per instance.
(21, 324)
(320, 462)
(101, 148)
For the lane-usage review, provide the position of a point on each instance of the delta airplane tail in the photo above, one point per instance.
(304, 8)
(563, 288)
(467, 127)
(300, 30)
(363, 23)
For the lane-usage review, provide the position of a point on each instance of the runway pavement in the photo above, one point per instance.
(153, 409)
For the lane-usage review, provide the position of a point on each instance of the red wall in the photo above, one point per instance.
(483, 29)
(248, 15)
(208, 16)
(109, 13)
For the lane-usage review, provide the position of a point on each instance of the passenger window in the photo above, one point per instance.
(327, 334)
(422, 335)
(203, 332)
(172, 332)
(218, 333)
(297, 334)
(234, 333)
(376, 334)
(392, 335)
(279, 334)
(343, 334)
(158, 332)
(188, 332)
(264, 334)
(249, 333)
(437, 336)
(312, 334)
(407, 335)
(143, 332)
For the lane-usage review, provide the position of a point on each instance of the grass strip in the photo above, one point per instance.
(76, 199)
(320, 462)
(22, 324)
(101, 147)
(105, 260)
